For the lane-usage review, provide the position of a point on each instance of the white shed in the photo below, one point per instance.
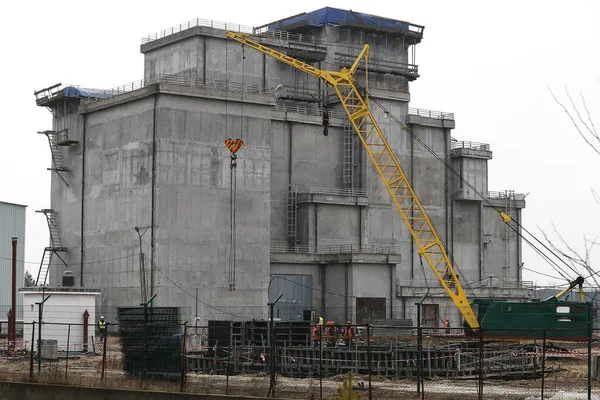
(62, 317)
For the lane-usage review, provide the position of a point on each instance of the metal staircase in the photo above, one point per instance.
(56, 139)
(54, 249)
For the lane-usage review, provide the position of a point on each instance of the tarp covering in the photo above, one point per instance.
(72, 91)
(338, 17)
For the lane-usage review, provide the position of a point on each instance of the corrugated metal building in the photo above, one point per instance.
(12, 223)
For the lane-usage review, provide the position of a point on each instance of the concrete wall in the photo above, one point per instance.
(192, 202)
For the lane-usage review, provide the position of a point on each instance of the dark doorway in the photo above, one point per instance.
(369, 309)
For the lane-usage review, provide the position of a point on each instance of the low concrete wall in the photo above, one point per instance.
(34, 391)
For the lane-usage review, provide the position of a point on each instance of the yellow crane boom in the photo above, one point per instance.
(430, 247)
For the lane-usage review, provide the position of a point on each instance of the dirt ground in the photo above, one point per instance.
(86, 370)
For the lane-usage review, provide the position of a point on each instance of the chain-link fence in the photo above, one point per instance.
(300, 360)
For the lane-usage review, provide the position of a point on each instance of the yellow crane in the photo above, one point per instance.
(429, 244)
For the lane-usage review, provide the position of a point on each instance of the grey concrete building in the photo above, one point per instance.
(12, 224)
(313, 221)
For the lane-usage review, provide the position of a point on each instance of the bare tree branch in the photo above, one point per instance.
(595, 195)
(570, 258)
(575, 124)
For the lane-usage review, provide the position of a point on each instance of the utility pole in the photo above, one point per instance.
(420, 342)
(143, 287)
(39, 344)
(273, 342)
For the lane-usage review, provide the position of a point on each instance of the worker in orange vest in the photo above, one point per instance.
(447, 325)
(348, 333)
(331, 333)
(316, 334)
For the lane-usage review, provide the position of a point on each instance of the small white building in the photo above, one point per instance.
(62, 315)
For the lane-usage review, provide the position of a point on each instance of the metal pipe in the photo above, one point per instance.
(419, 340)
(392, 291)
(82, 242)
(153, 192)
(12, 329)
(346, 291)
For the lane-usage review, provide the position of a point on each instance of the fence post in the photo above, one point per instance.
(31, 352)
(589, 348)
(86, 317)
(227, 366)
(105, 337)
(369, 359)
(480, 387)
(321, 362)
(67, 359)
(543, 361)
(183, 360)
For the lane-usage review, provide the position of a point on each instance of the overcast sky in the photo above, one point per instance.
(491, 63)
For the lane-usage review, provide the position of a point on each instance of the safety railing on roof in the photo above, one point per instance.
(194, 23)
(470, 145)
(178, 80)
(430, 113)
(289, 36)
(336, 249)
(506, 195)
(330, 191)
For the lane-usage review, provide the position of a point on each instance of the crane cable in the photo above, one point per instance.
(234, 145)
(478, 193)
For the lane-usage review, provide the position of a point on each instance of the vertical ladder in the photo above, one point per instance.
(292, 218)
(348, 171)
(55, 247)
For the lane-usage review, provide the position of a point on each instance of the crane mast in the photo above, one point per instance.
(430, 246)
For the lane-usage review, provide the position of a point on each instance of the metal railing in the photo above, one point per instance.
(228, 26)
(336, 249)
(431, 114)
(330, 191)
(391, 87)
(505, 195)
(300, 109)
(181, 80)
(194, 23)
(289, 36)
(470, 145)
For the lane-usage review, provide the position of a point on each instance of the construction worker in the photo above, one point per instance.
(348, 333)
(447, 325)
(320, 320)
(331, 333)
(316, 334)
(102, 328)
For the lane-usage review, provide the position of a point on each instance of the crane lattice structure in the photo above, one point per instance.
(430, 246)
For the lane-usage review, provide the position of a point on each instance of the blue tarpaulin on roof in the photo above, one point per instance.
(338, 17)
(72, 91)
